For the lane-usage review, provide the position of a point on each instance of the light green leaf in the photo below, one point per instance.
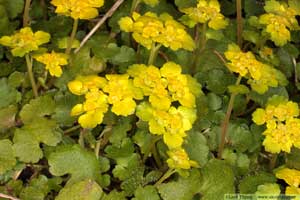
(83, 190)
(217, 180)
(37, 189)
(214, 101)
(8, 95)
(39, 107)
(268, 188)
(183, 189)
(26, 147)
(76, 161)
(147, 193)
(28, 138)
(7, 157)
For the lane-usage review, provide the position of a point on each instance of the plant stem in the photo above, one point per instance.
(108, 14)
(26, 13)
(156, 157)
(30, 73)
(44, 7)
(107, 129)
(70, 41)
(200, 45)
(165, 176)
(69, 130)
(5, 196)
(225, 123)
(239, 22)
(134, 5)
(153, 53)
(273, 161)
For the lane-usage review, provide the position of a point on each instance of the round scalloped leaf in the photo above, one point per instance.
(83, 190)
(7, 157)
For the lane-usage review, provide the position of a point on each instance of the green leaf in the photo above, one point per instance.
(143, 139)
(63, 105)
(26, 147)
(114, 195)
(293, 159)
(83, 190)
(238, 89)
(14, 7)
(119, 131)
(252, 8)
(16, 79)
(185, 4)
(125, 55)
(217, 180)
(196, 147)
(214, 101)
(74, 160)
(7, 157)
(240, 137)
(147, 193)
(295, 5)
(249, 184)
(8, 95)
(182, 189)
(39, 107)
(28, 138)
(7, 117)
(262, 99)
(37, 189)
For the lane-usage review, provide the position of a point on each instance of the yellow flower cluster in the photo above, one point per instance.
(53, 62)
(78, 9)
(260, 76)
(279, 20)
(207, 11)
(282, 124)
(291, 177)
(149, 29)
(159, 88)
(25, 41)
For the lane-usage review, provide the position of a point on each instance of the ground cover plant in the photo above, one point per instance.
(149, 99)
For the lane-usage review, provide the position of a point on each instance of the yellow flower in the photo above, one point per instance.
(121, 93)
(53, 62)
(78, 9)
(290, 176)
(179, 159)
(25, 41)
(92, 110)
(207, 11)
(82, 84)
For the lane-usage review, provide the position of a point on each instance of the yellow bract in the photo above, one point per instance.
(290, 176)
(179, 159)
(151, 2)
(282, 125)
(25, 41)
(149, 28)
(207, 11)
(260, 76)
(78, 9)
(53, 62)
